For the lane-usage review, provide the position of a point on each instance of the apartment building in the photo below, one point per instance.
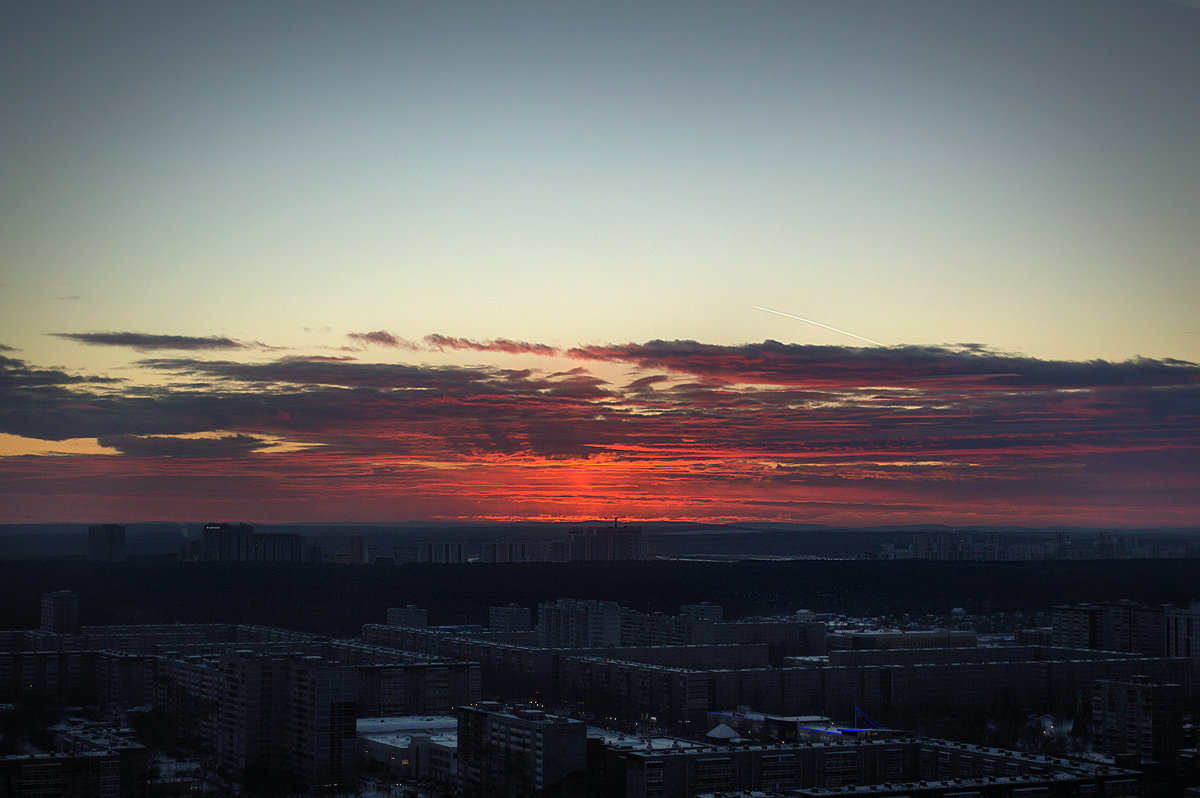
(506, 752)
(578, 623)
(1139, 717)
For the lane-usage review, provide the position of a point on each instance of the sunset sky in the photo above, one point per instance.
(815, 261)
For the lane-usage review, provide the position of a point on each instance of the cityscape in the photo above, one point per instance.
(534, 399)
(579, 695)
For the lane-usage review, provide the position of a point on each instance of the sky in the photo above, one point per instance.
(818, 261)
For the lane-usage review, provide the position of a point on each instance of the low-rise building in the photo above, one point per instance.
(413, 746)
(912, 767)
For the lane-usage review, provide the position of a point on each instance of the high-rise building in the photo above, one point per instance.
(1138, 628)
(287, 717)
(1183, 634)
(442, 551)
(939, 546)
(1136, 716)
(1076, 625)
(106, 543)
(319, 730)
(277, 547)
(1112, 626)
(227, 542)
(520, 753)
(60, 612)
(577, 623)
(239, 543)
(505, 549)
(607, 543)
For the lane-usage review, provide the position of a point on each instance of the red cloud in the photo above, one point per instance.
(762, 431)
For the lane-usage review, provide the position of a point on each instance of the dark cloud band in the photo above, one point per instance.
(144, 342)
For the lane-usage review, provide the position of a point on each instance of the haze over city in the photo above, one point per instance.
(446, 262)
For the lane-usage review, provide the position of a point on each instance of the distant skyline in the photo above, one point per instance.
(434, 261)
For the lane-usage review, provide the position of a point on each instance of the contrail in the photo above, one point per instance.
(819, 324)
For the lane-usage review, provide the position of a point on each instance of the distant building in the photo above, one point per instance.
(520, 753)
(60, 612)
(947, 546)
(277, 548)
(607, 544)
(239, 543)
(988, 546)
(442, 551)
(1136, 716)
(791, 637)
(410, 615)
(784, 638)
(704, 611)
(590, 544)
(939, 546)
(765, 727)
(313, 552)
(226, 542)
(106, 543)
(402, 555)
(510, 618)
(505, 549)
(577, 623)
(897, 638)
(1039, 636)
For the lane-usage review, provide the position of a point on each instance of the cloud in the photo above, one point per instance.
(647, 383)
(15, 374)
(382, 338)
(309, 371)
(168, 446)
(4, 348)
(580, 387)
(319, 358)
(733, 429)
(144, 342)
(773, 363)
(504, 345)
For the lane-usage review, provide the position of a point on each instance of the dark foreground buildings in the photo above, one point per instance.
(705, 706)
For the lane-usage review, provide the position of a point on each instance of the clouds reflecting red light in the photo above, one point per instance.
(766, 431)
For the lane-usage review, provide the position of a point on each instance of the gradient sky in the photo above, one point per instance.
(404, 261)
